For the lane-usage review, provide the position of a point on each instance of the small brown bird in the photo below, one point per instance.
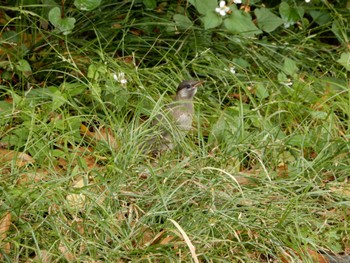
(175, 124)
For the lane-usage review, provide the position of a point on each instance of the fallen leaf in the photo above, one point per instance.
(282, 170)
(20, 157)
(76, 201)
(68, 255)
(32, 177)
(187, 241)
(317, 257)
(5, 223)
(103, 134)
(44, 257)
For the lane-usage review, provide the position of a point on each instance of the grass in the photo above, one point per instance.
(263, 175)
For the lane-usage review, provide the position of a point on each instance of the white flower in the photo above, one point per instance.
(307, 1)
(222, 9)
(120, 77)
(237, 1)
(231, 69)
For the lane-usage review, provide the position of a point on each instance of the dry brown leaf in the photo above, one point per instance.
(44, 257)
(20, 157)
(103, 134)
(188, 242)
(282, 170)
(77, 201)
(343, 189)
(32, 177)
(68, 255)
(167, 240)
(246, 8)
(317, 257)
(5, 223)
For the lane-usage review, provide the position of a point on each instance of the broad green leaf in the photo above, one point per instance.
(211, 20)
(150, 4)
(290, 15)
(300, 140)
(64, 25)
(182, 22)
(320, 17)
(94, 71)
(5, 106)
(290, 67)
(24, 67)
(73, 89)
(261, 91)
(240, 22)
(241, 62)
(55, 16)
(58, 99)
(204, 7)
(340, 32)
(87, 5)
(345, 60)
(320, 115)
(282, 78)
(267, 21)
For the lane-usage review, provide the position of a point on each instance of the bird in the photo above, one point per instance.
(174, 124)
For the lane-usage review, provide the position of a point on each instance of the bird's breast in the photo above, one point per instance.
(184, 121)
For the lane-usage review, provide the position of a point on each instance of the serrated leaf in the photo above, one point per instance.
(204, 7)
(267, 21)
(241, 22)
(211, 20)
(345, 60)
(87, 5)
(182, 22)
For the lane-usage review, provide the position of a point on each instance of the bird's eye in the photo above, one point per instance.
(188, 86)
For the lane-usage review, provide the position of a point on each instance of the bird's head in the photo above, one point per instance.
(187, 89)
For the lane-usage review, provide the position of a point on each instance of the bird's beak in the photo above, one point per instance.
(198, 83)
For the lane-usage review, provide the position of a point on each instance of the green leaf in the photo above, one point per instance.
(211, 20)
(290, 15)
(24, 67)
(58, 99)
(261, 91)
(340, 32)
(345, 60)
(95, 71)
(204, 7)
(282, 78)
(87, 5)
(300, 140)
(320, 115)
(241, 22)
(64, 25)
(5, 106)
(320, 17)
(182, 22)
(290, 67)
(267, 21)
(150, 4)
(55, 16)
(72, 89)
